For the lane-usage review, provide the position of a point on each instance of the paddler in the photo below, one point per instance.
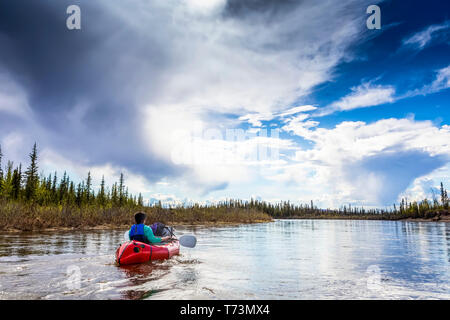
(141, 232)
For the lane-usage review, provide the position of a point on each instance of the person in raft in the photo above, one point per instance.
(141, 232)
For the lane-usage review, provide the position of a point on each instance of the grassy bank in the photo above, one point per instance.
(23, 217)
(19, 216)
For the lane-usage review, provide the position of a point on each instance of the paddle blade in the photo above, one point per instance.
(126, 236)
(188, 241)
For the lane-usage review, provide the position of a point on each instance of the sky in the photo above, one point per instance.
(197, 100)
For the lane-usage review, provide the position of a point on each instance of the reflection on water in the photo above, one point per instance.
(288, 259)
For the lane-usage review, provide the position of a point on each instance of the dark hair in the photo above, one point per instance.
(139, 217)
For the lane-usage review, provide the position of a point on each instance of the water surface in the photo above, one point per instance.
(286, 259)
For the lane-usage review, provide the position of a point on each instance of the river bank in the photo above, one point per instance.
(20, 217)
(111, 227)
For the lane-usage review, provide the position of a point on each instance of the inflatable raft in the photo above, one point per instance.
(133, 252)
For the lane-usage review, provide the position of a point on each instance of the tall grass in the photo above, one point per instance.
(26, 217)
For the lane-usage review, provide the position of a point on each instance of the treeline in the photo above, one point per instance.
(31, 201)
(31, 188)
(285, 209)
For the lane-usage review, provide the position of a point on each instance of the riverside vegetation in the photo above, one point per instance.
(32, 201)
(29, 201)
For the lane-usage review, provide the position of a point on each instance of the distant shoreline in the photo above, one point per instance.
(445, 218)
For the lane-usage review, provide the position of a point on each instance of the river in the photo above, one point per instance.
(285, 259)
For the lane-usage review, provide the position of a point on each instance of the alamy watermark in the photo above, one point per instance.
(374, 20)
(73, 281)
(229, 147)
(73, 22)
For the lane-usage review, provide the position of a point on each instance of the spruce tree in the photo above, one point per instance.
(48, 184)
(446, 200)
(20, 180)
(53, 192)
(101, 194)
(114, 197)
(121, 190)
(62, 188)
(88, 187)
(31, 175)
(79, 195)
(15, 192)
(72, 195)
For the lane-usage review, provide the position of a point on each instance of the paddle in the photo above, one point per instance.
(186, 240)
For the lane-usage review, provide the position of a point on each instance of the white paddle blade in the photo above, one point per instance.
(188, 241)
(126, 236)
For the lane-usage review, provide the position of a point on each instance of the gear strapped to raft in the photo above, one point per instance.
(161, 230)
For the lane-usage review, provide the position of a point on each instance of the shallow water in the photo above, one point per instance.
(287, 259)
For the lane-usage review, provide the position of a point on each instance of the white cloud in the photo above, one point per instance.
(12, 147)
(13, 99)
(363, 96)
(428, 186)
(204, 6)
(255, 118)
(355, 162)
(211, 156)
(441, 82)
(227, 66)
(423, 38)
(354, 140)
(369, 95)
(296, 110)
(365, 163)
(300, 127)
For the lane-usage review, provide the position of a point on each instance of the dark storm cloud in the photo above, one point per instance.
(82, 86)
(42, 54)
(114, 91)
(395, 171)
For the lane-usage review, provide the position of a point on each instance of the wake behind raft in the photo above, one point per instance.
(133, 252)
